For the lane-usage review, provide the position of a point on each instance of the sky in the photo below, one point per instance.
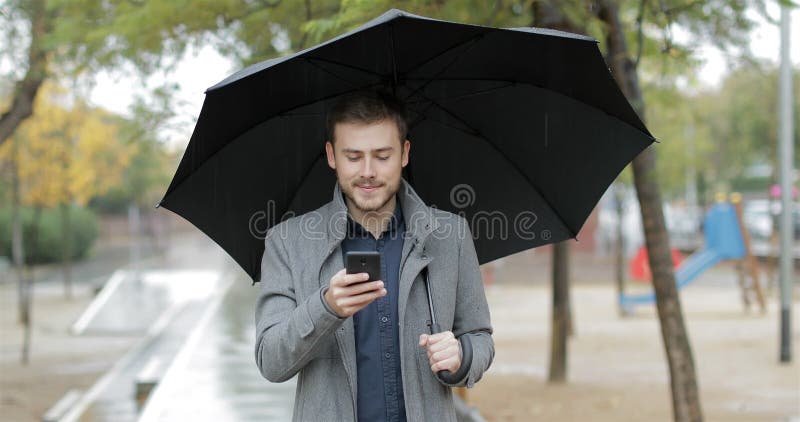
(765, 42)
(201, 68)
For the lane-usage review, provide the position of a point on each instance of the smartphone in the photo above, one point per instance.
(364, 262)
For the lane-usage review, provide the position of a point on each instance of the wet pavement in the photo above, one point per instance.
(215, 378)
(132, 301)
(113, 396)
(194, 309)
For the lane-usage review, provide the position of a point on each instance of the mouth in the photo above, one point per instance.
(368, 188)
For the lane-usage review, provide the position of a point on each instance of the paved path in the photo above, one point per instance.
(214, 377)
(196, 306)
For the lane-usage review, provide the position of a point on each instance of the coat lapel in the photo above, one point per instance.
(345, 334)
(419, 224)
(414, 265)
(335, 216)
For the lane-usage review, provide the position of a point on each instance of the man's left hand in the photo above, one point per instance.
(444, 351)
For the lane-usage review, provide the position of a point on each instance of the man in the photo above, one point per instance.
(363, 350)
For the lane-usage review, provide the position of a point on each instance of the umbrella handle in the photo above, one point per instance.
(466, 359)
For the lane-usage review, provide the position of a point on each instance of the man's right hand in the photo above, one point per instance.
(350, 293)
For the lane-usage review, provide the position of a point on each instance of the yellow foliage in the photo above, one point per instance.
(66, 153)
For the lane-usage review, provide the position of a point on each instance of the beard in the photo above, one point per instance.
(374, 201)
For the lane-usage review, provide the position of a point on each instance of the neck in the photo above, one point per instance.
(374, 221)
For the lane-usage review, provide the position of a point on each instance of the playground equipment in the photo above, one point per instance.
(725, 238)
(639, 267)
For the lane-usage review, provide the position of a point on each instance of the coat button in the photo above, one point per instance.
(384, 319)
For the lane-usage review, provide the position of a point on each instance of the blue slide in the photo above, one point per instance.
(723, 241)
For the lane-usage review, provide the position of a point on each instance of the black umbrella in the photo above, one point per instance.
(520, 130)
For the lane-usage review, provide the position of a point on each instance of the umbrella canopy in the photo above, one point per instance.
(519, 130)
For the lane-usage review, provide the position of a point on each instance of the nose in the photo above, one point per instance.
(368, 168)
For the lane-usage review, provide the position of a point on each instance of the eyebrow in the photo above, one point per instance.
(351, 151)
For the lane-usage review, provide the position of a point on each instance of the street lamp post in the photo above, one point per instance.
(785, 156)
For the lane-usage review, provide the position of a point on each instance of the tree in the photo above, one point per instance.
(742, 124)
(685, 396)
(59, 157)
(73, 37)
(722, 131)
(25, 90)
(65, 156)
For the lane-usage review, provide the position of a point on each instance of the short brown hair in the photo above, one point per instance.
(366, 107)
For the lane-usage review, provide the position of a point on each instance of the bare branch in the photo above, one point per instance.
(639, 33)
(668, 32)
(303, 40)
(498, 4)
(25, 90)
(682, 7)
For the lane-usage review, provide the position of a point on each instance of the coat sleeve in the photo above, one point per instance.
(472, 310)
(289, 330)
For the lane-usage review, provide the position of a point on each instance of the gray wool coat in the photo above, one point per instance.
(297, 335)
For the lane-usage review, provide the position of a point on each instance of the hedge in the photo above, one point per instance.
(83, 224)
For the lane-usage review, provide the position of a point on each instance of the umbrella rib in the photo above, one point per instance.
(443, 123)
(330, 72)
(524, 176)
(319, 59)
(394, 60)
(430, 104)
(650, 136)
(469, 45)
(471, 94)
(446, 50)
(305, 177)
(287, 111)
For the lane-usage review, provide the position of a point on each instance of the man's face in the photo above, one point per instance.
(368, 159)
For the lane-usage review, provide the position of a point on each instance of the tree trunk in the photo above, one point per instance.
(66, 249)
(546, 15)
(17, 239)
(26, 343)
(560, 313)
(685, 396)
(25, 90)
(27, 305)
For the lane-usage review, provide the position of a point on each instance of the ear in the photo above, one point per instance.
(329, 154)
(406, 148)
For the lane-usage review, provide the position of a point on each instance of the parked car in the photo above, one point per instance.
(761, 218)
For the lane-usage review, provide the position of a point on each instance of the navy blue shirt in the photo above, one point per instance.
(380, 383)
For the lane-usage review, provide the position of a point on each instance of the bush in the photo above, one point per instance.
(83, 224)
(115, 201)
